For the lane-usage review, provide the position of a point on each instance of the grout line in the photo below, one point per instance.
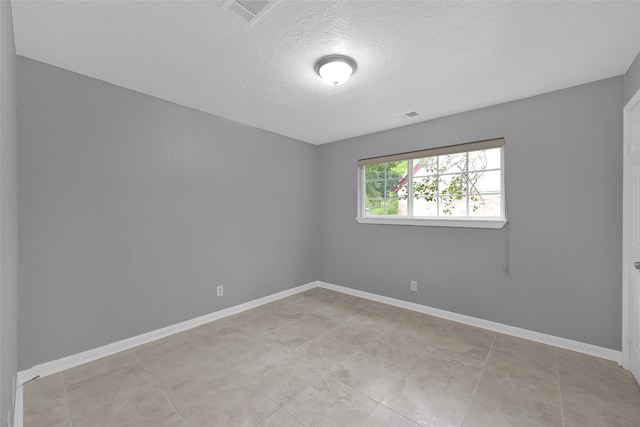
(155, 382)
(555, 352)
(66, 398)
(475, 390)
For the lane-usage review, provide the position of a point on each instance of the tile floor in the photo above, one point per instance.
(323, 358)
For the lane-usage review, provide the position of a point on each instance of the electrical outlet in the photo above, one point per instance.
(414, 286)
(220, 290)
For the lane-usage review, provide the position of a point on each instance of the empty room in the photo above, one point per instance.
(319, 213)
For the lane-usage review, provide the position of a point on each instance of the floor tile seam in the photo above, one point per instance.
(66, 398)
(325, 334)
(287, 412)
(395, 412)
(162, 392)
(404, 377)
(475, 390)
(109, 371)
(115, 398)
(559, 387)
(66, 401)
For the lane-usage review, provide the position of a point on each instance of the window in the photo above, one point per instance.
(455, 186)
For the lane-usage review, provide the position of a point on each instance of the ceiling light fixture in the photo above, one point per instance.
(335, 69)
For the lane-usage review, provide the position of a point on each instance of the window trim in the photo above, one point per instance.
(455, 222)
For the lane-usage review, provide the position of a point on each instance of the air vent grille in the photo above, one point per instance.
(253, 6)
(250, 10)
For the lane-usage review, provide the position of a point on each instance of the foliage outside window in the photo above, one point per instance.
(458, 182)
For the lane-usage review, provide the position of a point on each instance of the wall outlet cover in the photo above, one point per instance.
(414, 286)
(220, 290)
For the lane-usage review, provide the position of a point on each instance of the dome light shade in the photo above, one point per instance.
(335, 69)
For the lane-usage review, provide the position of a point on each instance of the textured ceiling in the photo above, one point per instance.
(438, 58)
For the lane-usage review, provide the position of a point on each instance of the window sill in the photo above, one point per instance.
(444, 222)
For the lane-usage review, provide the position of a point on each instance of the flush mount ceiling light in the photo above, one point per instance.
(335, 69)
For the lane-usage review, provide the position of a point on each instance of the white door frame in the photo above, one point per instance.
(626, 230)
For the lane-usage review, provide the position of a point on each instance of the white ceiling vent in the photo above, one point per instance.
(250, 10)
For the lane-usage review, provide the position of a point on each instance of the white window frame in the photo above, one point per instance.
(463, 222)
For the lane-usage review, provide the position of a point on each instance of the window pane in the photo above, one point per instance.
(396, 169)
(485, 182)
(485, 159)
(425, 188)
(385, 185)
(375, 207)
(375, 190)
(422, 207)
(485, 205)
(373, 172)
(452, 163)
(426, 166)
(453, 184)
(453, 206)
(393, 205)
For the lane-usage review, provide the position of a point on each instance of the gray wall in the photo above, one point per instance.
(133, 209)
(564, 197)
(632, 80)
(8, 215)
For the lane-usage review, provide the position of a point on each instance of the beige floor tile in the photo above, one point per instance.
(210, 328)
(281, 419)
(181, 363)
(86, 395)
(465, 343)
(319, 321)
(330, 403)
(354, 335)
(293, 335)
(570, 362)
(291, 311)
(581, 412)
(236, 348)
(325, 353)
(385, 417)
(597, 392)
(219, 398)
(437, 391)
(379, 321)
(46, 402)
(283, 378)
(511, 396)
(162, 345)
(148, 407)
(212, 337)
(612, 398)
(428, 405)
(326, 358)
(396, 349)
(98, 367)
(443, 370)
(236, 404)
(341, 312)
(328, 296)
(369, 375)
(517, 354)
(311, 305)
(267, 322)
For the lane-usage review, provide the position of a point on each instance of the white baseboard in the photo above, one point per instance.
(74, 360)
(592, 350)
(68, 362)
